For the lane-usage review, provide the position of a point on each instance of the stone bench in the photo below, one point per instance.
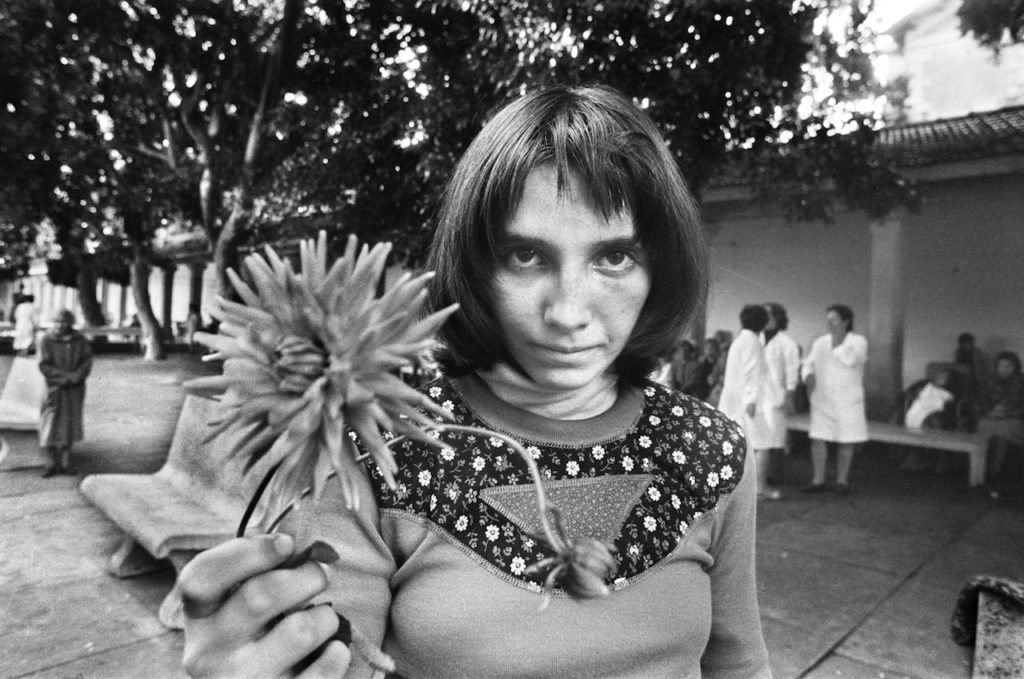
(192, 503)
(973, 445)
(22, 395)
(999, 640)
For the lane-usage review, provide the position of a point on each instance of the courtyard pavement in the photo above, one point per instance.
(854, 586)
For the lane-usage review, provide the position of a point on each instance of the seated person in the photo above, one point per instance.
(1002, 409)
(930, 404)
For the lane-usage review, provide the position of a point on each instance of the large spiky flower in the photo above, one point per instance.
(308, 353)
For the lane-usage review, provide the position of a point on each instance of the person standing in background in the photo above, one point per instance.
(26, 323)
(65, 359)
(783, 356)
(724, 340)
(749, 396)
(834, 375)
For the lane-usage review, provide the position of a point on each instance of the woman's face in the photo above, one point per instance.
(835, 322)
(1004, 368)
(569, 285)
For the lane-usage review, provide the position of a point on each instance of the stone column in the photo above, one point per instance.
(195, 284)
(122, 304)
(883, 381)
(168, 294)
(103, 293)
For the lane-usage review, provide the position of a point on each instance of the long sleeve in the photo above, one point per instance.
(84, 367)
(360, 582)
(52, 373)
(749, 376)
(809, 366)
(736, 647)
(791, 364)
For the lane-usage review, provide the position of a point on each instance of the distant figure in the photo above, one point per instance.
(1002, 409)
(782, 353)
(685, 366)
(929, 404)
(724, 339)
(701, 386)
(26, 322)
(65, 359)
(749, 395)
(834, 375)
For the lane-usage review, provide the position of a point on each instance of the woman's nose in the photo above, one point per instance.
(568, 306)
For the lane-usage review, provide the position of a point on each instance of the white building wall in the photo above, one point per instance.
(951, 74)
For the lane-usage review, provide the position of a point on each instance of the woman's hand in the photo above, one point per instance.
(245, 616)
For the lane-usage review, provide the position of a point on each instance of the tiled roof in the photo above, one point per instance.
(976, 136)
(971, 137)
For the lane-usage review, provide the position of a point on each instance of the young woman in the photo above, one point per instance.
(574, 249)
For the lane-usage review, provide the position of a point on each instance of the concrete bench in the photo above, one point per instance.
(192, 503)
(22, 395)
(973, 445)
(999, 640)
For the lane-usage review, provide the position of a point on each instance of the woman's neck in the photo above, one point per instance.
(516, 389)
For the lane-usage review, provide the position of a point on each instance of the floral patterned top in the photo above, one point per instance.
(639, 489)
(438, 569)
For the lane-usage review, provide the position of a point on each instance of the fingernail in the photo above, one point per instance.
(283, 544)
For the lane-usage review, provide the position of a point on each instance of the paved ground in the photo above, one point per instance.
(858, 586)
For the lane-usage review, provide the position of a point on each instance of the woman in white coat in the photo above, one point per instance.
(834, 375)
(749, 396)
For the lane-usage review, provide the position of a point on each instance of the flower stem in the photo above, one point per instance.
(556, 538)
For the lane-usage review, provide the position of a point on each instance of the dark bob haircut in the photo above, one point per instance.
(844, 312)
(778, 312)
(753, 317)
(598, 135)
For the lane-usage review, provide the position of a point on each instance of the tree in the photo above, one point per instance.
(994, 23)
(733, 85)
(48, 140)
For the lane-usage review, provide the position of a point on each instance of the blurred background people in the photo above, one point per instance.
(748, 394)
(834, 375)
(700, 387)
(685, 366)
(724, 339)
(65, 359)
(782, 354)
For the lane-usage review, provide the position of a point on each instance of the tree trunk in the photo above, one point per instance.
(225, 250)
(91, 309)
(152, 333)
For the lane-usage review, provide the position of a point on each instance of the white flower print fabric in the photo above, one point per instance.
(692, 454)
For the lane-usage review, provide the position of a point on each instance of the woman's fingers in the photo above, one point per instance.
(208, 579)
(332, 663)
(302, 635)
(262, 598)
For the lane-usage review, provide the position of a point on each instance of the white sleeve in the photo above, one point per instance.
(791, 363)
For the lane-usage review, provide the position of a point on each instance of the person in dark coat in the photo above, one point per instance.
(65, 359)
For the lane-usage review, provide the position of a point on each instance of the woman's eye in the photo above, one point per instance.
(617, 259)
(524, 257)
